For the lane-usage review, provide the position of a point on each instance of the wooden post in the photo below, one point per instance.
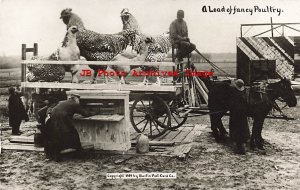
(23, 67)
(35, 49)
(173, 60)
(241, 29)
(272, 27)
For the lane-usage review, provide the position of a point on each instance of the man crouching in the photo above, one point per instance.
(60, 133)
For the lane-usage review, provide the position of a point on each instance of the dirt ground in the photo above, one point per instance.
(210, 166)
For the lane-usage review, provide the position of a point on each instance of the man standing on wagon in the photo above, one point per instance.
(179, 37)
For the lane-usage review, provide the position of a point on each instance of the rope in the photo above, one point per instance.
(212, 64)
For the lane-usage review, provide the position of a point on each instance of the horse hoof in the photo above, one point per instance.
(217, 138)
(223, 137)
(260, 147)
(259, 144)
(252, 147)
(240, 149)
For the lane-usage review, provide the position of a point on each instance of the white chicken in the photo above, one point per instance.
(69, 51)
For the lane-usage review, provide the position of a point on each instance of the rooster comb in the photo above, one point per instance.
(65, 12)
(125, 10)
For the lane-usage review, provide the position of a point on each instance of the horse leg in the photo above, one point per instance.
(256, 138)
(222, 130)
(217, 126)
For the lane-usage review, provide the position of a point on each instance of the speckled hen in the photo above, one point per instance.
(158, 46)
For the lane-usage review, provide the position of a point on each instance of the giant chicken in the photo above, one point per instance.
(95, 46)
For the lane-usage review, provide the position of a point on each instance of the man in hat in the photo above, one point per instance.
(238, 122)
(60, 133)
(179, 37)
(16, 111)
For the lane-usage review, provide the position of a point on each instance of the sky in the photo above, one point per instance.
(38, 21)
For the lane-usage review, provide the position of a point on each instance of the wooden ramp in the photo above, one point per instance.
(176, 143)
(184, 134)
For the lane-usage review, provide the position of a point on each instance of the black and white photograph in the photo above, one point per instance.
(149, 94)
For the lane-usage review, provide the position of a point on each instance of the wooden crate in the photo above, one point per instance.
(109, 129)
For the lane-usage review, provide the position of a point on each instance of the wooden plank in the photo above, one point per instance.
(202, 91)
(21, 139)
(118, 87)
(114, 117)
(172, 135)
(200, 127)
(162, 136)
(189, 138)
(166, 153)
(31, 147)
(192, 92)
(203, 85)
(197, 130)
(98, 92)
(180, 136)
(188, 125)
(182, 108)
(108, 63)
(185, 113)
(182, 151)
(19, 146)
(157, 143)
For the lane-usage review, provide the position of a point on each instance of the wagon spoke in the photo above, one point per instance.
(175, 119)
(143, 104)
(145, 126)
(141, 121)
(156, 126)
(150, 127)
(149, 103)
(160, 123)
(165, 119)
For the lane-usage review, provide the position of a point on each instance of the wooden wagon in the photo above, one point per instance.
(150, 109)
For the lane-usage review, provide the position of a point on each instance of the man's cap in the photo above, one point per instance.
(75, 95)
(238, 84)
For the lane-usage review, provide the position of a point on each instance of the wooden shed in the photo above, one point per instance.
(261, 58)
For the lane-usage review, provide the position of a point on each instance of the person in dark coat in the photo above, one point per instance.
(238, 123)
(60, 133)
(16, 111)
(179, 37)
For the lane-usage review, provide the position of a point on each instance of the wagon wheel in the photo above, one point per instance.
(151, 115)
(176, 120)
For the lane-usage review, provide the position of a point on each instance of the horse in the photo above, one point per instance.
(258, 102)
